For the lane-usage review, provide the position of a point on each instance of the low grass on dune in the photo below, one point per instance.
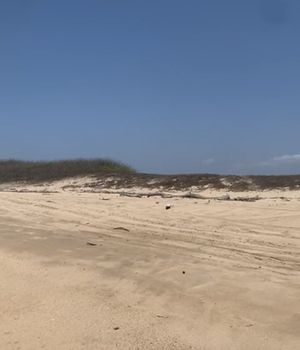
(34, 171)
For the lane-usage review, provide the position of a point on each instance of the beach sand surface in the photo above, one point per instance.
(101, 271)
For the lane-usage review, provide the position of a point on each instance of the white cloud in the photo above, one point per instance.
(278, 163)
(208, 161)
(288, 158)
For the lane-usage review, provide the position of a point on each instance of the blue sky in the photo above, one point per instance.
(167, 86)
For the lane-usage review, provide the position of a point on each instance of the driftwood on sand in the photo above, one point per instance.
(225, 197)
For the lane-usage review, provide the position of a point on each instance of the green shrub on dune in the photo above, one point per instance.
(16, 170)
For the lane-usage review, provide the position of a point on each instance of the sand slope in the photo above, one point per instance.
(218, 275)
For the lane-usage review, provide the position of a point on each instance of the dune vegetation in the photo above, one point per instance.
(16, 170)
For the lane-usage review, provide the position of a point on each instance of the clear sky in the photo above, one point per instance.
(167, 86)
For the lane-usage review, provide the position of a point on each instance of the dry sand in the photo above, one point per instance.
(218, 275)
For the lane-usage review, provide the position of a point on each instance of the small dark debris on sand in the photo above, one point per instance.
(91, 243)
(122, 228)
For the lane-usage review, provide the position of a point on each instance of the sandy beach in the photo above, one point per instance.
(101, 271)
(149, 175)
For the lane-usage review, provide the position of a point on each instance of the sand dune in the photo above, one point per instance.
(202, 275)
